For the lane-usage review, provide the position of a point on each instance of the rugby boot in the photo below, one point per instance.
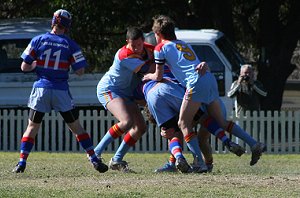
(168, 167)
(121, 166)
(235, 148)
(182, 165)
(257, 151)
(19, 169)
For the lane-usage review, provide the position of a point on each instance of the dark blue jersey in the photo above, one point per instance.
(54, 54)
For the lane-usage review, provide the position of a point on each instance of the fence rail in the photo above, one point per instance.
(279, 130)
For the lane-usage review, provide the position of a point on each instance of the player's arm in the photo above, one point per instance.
(80, 71)
(25, 67)
(202, 68)
(157, 75)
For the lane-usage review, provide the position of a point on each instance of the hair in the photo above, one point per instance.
(134, 33)
(62, 19)
(246, 66)
(148, 115)
(165, 26)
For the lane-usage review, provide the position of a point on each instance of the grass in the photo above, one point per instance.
(71, 175)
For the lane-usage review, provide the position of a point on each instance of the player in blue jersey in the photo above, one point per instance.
(50, 56)
(182, 60)
(164, 99)
(115, 90)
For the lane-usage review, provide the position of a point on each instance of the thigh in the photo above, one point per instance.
(122, 108)
(188, 110)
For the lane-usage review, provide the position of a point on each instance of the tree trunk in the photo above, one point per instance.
(277, 45)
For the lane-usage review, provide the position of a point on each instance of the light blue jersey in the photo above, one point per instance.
(119, 80)
(182, 61)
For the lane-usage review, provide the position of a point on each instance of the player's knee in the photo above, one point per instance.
(36, 116)
(169, 133)
(125, 124)
(70, 116)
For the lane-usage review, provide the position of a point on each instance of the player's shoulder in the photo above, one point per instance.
(159, 46)
(149, 46)
(124, 52)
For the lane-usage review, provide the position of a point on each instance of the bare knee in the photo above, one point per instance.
(125, 125)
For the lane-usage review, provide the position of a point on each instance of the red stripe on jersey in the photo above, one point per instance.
(32, 53)
(61, 65)
(159, 46)
(149, 46)
(125, 52)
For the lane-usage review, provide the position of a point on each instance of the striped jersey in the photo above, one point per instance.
(54, 54)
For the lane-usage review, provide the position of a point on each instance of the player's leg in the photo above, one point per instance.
(213, 127)
(188, 110)
(27, 142)
(257, 148)
(71, 118)
(135, 133)
(171, 131)
(203, 137)
(120, 109)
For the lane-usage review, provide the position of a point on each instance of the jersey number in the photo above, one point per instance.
(187, 52)
(55, 54)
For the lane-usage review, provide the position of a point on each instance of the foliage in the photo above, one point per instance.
(266, 32)
(71, 175)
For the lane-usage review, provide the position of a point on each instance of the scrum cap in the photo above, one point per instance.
(62, 17)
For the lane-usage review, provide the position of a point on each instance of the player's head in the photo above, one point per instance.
(61, 18)
(135, 39)
(164, 28)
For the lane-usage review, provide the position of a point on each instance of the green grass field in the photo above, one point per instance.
(71, 175)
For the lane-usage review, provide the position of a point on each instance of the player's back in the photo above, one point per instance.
(54, 55)
(181, 59)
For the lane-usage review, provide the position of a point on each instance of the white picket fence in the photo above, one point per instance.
(279, 131)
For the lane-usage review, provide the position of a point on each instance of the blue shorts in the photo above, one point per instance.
(107, 94)
(205, 90)
(44, 100)
(164, 101)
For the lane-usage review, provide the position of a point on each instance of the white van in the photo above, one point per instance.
(213, 47)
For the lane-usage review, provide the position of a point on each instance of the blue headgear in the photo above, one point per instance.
(62, 17)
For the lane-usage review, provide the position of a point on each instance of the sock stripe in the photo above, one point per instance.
(190, 136)
(129, 140)
(27, 139)
(115, 131)
(82, 137)
(172, 159)
(230, 127)
(221, 134)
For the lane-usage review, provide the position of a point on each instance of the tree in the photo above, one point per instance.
(279, 32)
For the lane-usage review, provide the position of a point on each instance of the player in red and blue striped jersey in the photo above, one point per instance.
(51, 55)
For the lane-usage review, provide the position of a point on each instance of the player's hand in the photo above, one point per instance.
(202, 68)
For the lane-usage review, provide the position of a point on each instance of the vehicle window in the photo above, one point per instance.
(230, 52)
(207, 54)
(10, 52)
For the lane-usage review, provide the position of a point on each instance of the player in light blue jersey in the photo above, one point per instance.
(200, 89)
(115, 90)
(164, 99)
(50, 56)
